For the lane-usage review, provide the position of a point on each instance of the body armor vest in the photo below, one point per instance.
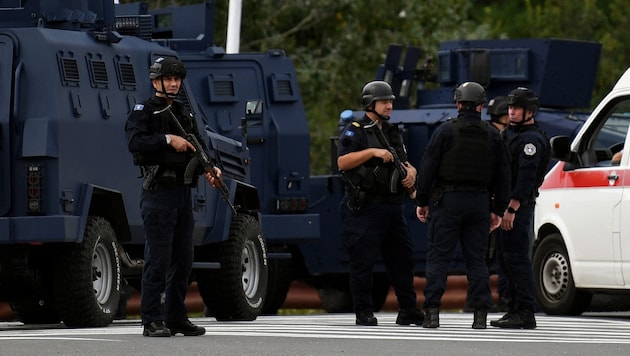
(373, 177)
(471, 158)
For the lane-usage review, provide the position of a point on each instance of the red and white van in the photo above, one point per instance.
(582, 216)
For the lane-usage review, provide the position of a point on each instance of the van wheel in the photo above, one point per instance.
(88, 278)
(553, 278)
(237, 290)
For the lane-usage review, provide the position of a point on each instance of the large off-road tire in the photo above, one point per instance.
(88, 278)
(335, 296)
(278, 283)
(553, 279)
(237, 290)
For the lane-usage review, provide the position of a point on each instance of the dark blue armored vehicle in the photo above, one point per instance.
(70, 226)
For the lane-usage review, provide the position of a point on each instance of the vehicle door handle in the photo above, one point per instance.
(612, 178)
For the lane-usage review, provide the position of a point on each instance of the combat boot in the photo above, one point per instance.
(410, 316)
(432, 319)
(480, 319)
(511, 310)
(521, 319)
(366, 318)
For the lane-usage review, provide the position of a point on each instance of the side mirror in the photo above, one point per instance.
(561, 148)
(253, 116)
(254, 110)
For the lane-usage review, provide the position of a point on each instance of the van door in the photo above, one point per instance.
(6, 81)
(595, 199)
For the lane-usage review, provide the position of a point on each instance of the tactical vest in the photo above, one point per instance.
(167, 157)
(373, 177)
(471, 158)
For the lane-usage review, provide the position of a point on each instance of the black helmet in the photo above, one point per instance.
(167, 66)
(497, 107)
(470, 92)
(524, 98)
(376, 90)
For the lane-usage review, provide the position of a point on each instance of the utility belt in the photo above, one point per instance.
(465, 188)
(437, 193)
(155, 176)
(397, 199)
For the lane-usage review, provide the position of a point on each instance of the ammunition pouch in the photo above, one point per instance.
(437, 193)
(169, 179)
(356, 199)
(394, 182)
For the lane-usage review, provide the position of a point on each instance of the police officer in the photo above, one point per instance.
(530, 154)
(372, 209)
(464, 165)
(166, 204)
(498, 111)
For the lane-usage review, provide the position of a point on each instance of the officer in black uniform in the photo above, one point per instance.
(498, 111)
(372, 209)
(166, 204)
(530, 154)
(465, 164)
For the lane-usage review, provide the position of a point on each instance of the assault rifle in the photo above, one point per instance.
(201, 158)
(400, 173)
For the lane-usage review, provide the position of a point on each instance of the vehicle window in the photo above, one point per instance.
(610, 136)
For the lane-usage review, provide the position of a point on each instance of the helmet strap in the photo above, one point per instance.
(524, 119)
(165, 93)
(382, 117)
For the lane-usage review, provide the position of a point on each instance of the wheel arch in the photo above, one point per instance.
(549, 229)
(246, 196)
(107, 203)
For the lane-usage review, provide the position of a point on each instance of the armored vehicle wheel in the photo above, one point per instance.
(555, 289)
(237, 290)
(279, 281)
(88, 278)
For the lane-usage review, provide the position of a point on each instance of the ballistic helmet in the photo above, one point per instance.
(376, 90)
(167, 66)
(524, 98)
(470, 92)
(497, 107)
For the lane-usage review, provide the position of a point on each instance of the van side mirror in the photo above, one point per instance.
(561, 148)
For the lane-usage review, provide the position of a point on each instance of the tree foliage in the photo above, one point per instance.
(336, 45)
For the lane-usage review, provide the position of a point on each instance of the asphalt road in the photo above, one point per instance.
(330, 334)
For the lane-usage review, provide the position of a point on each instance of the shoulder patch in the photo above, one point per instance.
(530, 149)
(356, 124)
(349, 133)
(138, 107)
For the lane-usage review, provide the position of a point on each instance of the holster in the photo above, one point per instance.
(150, 174)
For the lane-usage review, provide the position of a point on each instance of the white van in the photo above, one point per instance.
(582, 216)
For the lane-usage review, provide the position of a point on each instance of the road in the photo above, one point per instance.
(330, 334)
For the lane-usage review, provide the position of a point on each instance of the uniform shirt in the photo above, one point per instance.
(441, 141)
(528, 151)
